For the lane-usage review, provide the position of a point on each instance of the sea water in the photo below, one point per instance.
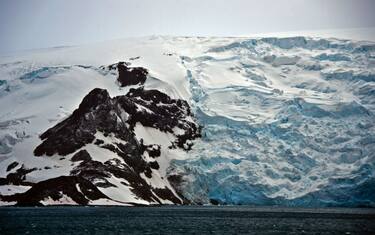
(185, 220)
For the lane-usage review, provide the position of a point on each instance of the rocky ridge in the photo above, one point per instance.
(109, 124)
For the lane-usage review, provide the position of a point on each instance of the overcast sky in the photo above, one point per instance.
(30, 24)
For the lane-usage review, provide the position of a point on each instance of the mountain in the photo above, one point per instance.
(190, 120)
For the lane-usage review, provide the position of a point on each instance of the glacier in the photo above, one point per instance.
(285, 121)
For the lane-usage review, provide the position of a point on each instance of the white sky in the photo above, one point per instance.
(29, 24)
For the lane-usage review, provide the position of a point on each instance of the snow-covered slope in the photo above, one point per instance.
(284, 120)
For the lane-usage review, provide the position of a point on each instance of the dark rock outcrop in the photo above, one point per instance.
(82, 155)
(116, 156)
(126, 75)
(134, 58)
(98, 112)
(116, 118)
(18, 177)
(79, 129)
(56, 189)
(12, 166)
(130, 75)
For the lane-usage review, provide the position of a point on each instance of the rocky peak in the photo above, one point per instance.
(94, 98)
(131, 75)
(116, 118)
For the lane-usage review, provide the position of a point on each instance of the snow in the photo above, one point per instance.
(153, 136)
(366, 34)
(13, 189)
(284, 119)
(2, 203)
(64, 200)
(277, 127)
(101, 154)
(107, 202)
(121, 193)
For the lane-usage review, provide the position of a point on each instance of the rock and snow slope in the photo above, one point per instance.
(110, 148)
(285, 121)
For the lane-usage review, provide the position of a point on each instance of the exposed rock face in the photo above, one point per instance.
(104, 150)
(11, 166)
(115, 119)
(82, 155)
(118, 116)
(127, 75)
(18, 177)
(76, 188)
(79, 129)
(131, 76)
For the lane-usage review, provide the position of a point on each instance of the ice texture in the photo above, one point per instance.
(287, 121)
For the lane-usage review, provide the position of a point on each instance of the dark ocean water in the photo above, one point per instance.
(185, 220)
